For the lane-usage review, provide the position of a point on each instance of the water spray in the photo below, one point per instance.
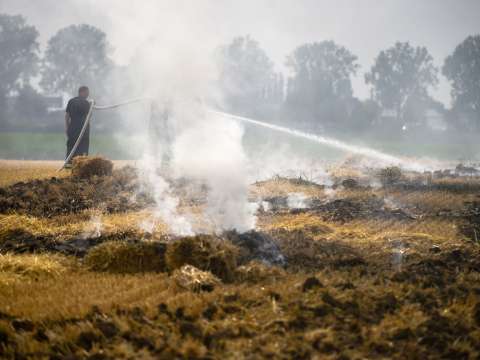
(406, 164)
(371, 153)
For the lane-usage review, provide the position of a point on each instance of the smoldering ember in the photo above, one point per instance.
(239, 180)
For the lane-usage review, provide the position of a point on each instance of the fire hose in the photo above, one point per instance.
(87, 121)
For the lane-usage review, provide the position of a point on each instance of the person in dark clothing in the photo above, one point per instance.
(160, 131)
(75, 116)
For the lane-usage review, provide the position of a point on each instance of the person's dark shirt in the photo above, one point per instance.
(77, 109)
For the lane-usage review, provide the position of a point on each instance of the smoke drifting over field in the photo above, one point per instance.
(169, 65)
(166, 53)
(211, 150)
(251, 212)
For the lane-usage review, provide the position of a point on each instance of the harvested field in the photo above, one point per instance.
(354, 272)
(67, 195)
(14, 171)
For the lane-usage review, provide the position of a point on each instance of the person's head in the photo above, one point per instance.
(83, 92)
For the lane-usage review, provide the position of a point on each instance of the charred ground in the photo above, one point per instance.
(356, 271)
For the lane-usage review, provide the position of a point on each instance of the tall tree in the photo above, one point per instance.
(76, 55)
(247, 79)
(30, 108)
(400, 74)
(18, 55)
(320, 85)
(462, 68)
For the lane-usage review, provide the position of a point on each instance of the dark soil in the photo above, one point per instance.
(471, 225)
(286, 294)
(60, 196)
(20, 241)
(421, 312)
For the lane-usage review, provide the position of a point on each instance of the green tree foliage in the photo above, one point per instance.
(462, 68)
(30, 107)
(362, 115)
(18, 56)
(247, 78)
(320, 88)
(402, 75)
(76, 55)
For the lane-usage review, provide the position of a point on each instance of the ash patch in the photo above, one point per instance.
(256, 245)
(20, 241)
(345, 210)
(293, 201)
(276, 203)
(339, 210)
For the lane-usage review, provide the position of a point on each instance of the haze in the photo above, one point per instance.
(364, 27)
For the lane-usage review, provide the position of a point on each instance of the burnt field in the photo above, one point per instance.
(381, 264)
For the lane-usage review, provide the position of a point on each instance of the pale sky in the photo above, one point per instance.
(363, 26)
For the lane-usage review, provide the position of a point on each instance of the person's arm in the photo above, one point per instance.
(68, 119)
(67, 122)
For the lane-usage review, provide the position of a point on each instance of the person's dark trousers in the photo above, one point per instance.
(82, 148)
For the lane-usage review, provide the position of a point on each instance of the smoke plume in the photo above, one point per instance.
(165, 62)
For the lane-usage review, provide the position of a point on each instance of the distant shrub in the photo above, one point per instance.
(350, 183)
(390, 175)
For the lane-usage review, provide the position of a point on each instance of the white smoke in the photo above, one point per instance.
(166, 207)
(297, 201)
(211, 151)
(94, 227)
(330, 193)
(278, 158)
(167, 49)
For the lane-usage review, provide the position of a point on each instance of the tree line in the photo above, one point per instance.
(75, 55)
(317, 94)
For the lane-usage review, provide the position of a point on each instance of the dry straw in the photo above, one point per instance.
(127, 257)
(85, 167)
(205, 252)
